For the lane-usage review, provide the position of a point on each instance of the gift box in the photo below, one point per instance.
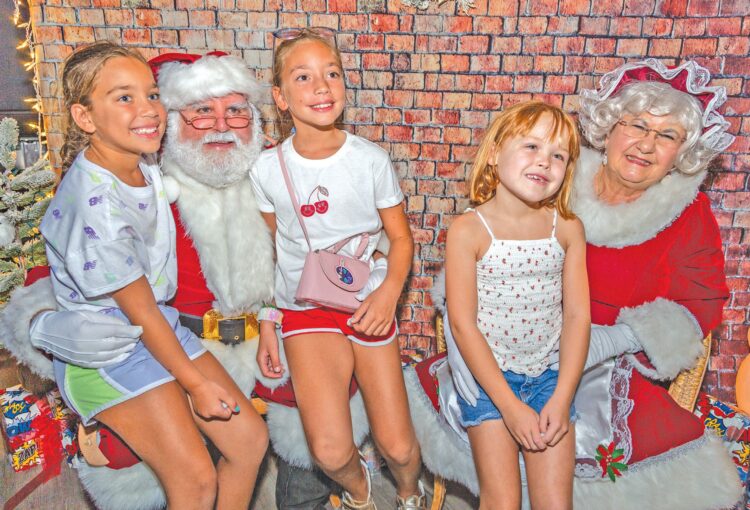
(734, 428)
(36, 429)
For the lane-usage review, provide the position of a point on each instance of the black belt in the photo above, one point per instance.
(231, 331)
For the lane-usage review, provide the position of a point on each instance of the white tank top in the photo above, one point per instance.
(519, 291)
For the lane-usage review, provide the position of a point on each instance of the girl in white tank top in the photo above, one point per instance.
(511, 265)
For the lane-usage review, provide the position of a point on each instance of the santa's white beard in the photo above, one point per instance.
(217, 169)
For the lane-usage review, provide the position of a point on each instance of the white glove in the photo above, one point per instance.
(377, 276)
(463, 379)
(610, 341)
(84, 338)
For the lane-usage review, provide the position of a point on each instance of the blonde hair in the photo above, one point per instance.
(279, 56)
(80, 71)
(519, 120)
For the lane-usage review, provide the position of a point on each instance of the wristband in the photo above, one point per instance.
(271, 313)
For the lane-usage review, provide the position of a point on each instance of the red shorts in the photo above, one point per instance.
(326, 320)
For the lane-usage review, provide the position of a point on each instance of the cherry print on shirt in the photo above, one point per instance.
(320, 206)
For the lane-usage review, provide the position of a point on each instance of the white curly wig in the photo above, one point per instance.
(706, 136)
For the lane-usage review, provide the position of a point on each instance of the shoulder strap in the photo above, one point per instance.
(484, 222)
(554, 224)
(292, 194)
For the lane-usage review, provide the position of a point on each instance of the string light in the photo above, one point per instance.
(29, 43)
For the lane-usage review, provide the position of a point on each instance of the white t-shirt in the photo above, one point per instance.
(102, 235)
(341, 195)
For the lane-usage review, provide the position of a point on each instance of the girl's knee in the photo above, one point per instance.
(399, 451)
(196, 482)
(331, 455)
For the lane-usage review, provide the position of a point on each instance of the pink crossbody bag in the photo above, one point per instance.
(329, 278)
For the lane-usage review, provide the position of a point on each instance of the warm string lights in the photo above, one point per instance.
(28, 43)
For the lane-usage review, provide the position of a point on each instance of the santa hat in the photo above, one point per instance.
(185, 79)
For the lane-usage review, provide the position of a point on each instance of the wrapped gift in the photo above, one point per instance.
(734, 428)
(36, 429)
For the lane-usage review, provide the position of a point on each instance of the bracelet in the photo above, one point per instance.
(271, 313)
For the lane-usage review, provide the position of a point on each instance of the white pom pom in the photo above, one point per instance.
(172, 188)
(7, 231)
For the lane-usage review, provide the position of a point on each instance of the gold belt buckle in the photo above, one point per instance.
(212, 318)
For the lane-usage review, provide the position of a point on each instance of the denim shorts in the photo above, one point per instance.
(532, 391)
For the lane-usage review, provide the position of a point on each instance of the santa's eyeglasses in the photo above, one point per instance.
(203, 122)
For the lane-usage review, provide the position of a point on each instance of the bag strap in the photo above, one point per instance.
(292, 194)
(364, 237)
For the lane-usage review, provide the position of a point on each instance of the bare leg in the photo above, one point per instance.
(321, 367)
(550, 474)
(242, 441)
(379, 374)
(158, 425)
(495, 455)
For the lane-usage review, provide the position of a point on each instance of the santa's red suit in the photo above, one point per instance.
(655, 264)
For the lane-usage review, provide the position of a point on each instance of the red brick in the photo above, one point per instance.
(500, 8)
(246, 5)
(457, 134)
(401, 98)
(474, 119)
(202, 18)
(164, 37)
(383, 23)
(488, 25)
(631, 47)
(118, 17)
(428, 99)
(412, 117)
(665, 47)
(517, 64)
(572, 45)
(376, 61)
(220, 39)
(487, 101)
(461, 24)
(136, 36)
(399, 133)
(473, 43)
(91, 16)
(456, 100)
(147, 17)
(638, 7)
(173, 18)
(549, 64)
(409, 81)
(723, 26)
(399, 42)
(425, 62)
(61, 15)
(657, 27)
(561, 25)
(192, 38)
(428, 24)
(702, 8)
(537, 45)
(673, 8)
(261, 20)
(600, 46)
(703, 46)
(454, 63)
(734, 46)
(528, 83)
(74, 34)
(406, 23)
(48, 34)
(438, 44)
(428, 187)
(484, 63)
(532, 25)
(594, 26)
(446, 82)
(377, 80)
(688, 27)
(232, 19)
(560, 84)
(446, 117)
(506, 45)
(469, 82)
(573, 7)
(347, 6)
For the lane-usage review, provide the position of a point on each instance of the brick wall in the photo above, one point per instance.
(424, 85)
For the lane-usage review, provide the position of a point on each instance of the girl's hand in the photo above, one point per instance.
(554, 420)
(210, 400)
(268, 351)
(523, 424)
(376, 313)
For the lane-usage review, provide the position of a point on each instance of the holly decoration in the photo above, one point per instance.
(609, 459)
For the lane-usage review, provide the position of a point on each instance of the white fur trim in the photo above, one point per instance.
(438, 292)
(132, 488)
(288, 436)
(172, 188)
(443, 451)
(669, 334)
(15, 320)
(696, 478)
(233, 242)
(8, 232)
(632, 223)
(182, 84)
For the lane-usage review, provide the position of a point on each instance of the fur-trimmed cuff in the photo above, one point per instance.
(15, 320)
(670, 336)
(288, 436)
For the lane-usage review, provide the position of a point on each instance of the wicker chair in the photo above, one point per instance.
(684, 390)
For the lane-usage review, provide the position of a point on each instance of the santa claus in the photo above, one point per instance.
(225, 275)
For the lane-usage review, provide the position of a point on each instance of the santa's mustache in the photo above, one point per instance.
(226, 137)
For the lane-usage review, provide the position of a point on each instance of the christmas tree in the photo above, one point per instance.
(24, 197)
